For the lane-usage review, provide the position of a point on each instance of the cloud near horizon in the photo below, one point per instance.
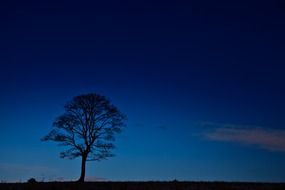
(269, 139)
(24, 172)
(94, 178)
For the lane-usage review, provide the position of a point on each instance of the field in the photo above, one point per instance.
(142, 186)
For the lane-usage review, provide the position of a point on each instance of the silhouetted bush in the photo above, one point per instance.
(175, 181)
(32, 180)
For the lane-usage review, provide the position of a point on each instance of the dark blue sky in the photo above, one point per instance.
(202, 84)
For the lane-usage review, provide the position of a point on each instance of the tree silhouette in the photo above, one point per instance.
(87, 127)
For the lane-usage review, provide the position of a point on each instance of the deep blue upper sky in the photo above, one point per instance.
(202, 84)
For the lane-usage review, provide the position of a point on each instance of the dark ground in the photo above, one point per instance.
(142, 186)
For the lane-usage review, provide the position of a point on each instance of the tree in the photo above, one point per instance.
(87, 128)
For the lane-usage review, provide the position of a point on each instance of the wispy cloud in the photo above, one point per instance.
(269, 139)
(24, 168)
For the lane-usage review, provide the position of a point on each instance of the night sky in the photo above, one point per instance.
(201, 82)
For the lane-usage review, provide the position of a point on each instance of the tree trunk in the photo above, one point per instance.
(83, 164)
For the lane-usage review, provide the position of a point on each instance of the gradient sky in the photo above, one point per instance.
(202, 84)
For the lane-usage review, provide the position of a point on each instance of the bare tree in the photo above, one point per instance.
(87, 127)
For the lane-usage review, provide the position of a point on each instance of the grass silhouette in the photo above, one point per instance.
(174, 185)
